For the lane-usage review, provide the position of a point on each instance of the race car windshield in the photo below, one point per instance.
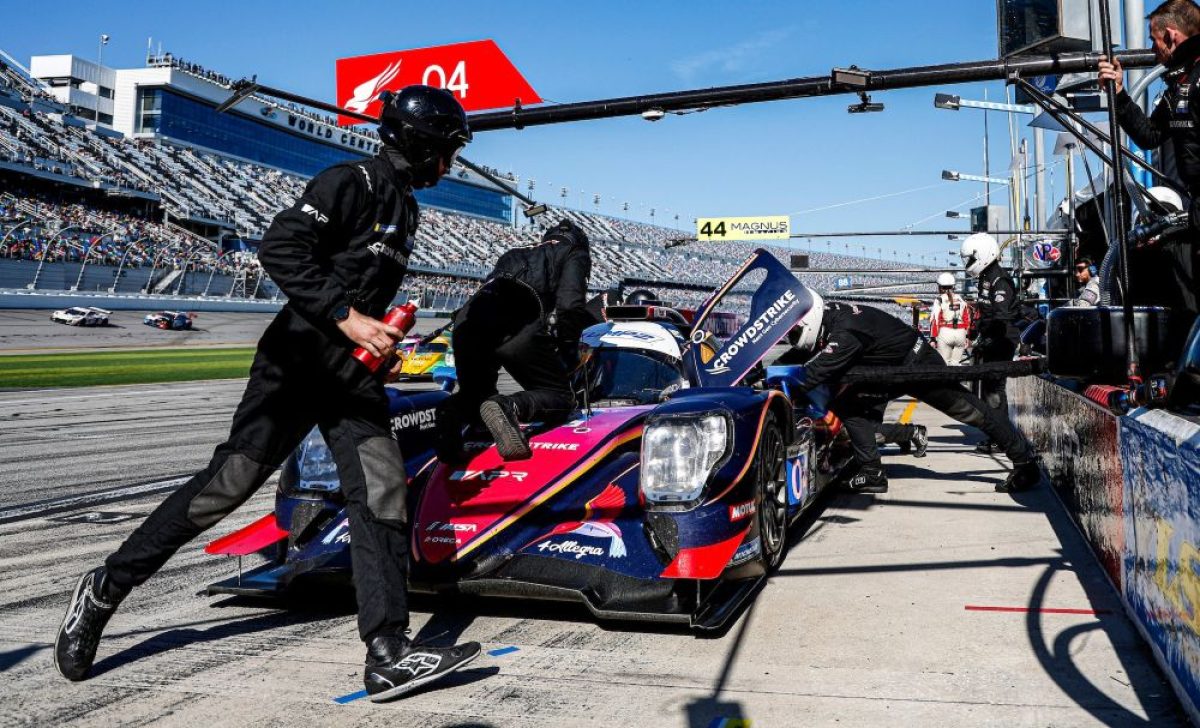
(635, 377)
(432, 349)
(77, 312)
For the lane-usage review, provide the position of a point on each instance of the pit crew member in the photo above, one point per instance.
(339, 253)
(526, 318)
(833, 337)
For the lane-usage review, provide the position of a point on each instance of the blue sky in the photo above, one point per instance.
(782, 157)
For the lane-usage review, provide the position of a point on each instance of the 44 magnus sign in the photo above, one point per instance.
(769, 227)
(478, 74)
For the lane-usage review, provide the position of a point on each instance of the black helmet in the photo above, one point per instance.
(426, 125)
(566, 231)
(642, 297)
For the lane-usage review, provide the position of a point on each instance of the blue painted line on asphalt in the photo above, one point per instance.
(502, 651)
(350, 698)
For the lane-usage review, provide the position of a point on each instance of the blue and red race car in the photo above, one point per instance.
(667, 498)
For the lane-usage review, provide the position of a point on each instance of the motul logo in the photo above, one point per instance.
(739, 511)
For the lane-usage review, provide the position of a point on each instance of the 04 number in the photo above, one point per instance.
(458, 78)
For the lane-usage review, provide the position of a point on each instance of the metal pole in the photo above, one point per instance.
(987, 163)
(1118, 194)
(1135, 37)
(1039, 200)
(1070, 246)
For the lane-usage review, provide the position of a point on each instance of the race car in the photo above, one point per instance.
(169, 320)
(420, 362)
(81, 316)
(668, 497)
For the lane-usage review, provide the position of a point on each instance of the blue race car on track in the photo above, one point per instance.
(667, 498)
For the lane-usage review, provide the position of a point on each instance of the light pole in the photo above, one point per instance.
(46, 254)
(99, 72)
(951, 176)
(87, 253)
(121, 264)
(952, 102)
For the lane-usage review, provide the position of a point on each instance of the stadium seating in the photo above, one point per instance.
(454, 250)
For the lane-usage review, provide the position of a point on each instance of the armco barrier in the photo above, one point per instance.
(1132, 484)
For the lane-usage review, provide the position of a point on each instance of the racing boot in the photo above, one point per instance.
(987, 447)
(500, 417)
(1023, 477)
(395, 666)
(868, 479)
(92, 604)
(919, 442)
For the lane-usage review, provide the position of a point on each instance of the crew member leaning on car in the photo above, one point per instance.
(339, 253)
(833, 337)
(526, 318)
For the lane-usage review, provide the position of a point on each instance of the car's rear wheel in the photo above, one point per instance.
(772, 489)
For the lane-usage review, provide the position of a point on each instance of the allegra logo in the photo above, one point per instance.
(368, 91)
(571, 547)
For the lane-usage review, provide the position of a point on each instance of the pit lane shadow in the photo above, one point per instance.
(1056, 654)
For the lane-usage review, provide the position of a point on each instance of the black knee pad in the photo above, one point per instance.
(234, 482)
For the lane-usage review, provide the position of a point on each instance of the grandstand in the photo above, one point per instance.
(87, 208)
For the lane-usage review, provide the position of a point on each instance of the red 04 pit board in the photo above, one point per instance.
(478, 74)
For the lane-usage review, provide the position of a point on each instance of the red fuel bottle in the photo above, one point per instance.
(402, 317)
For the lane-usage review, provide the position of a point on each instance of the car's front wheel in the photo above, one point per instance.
(772, 491)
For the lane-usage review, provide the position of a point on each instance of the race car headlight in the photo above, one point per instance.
(315, 468)
(679, 454)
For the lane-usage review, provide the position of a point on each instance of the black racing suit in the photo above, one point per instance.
(860, 335)
(345, 242)
(507, 323)
(996, 328)
(1164, 274)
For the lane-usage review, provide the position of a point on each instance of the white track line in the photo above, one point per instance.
(105, 496)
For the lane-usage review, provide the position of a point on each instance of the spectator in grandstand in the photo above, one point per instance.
(996, 332)
(526, 318)
(1089, 284)
(834, 337)
(340, 254)
(950, 320)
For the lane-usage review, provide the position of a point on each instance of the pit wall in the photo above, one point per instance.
(1132, 484)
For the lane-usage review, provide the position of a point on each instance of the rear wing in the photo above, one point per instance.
(776, 306)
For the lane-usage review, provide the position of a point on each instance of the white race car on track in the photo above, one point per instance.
(80, 316)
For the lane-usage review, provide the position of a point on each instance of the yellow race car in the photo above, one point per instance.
(420, 362)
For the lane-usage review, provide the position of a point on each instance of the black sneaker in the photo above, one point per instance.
(1023, 477)
(868, 479)
(395, 666)
(92, 604)
(920, 442)
(500, 417)
(987, 447)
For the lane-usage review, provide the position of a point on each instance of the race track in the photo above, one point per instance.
(865, 623)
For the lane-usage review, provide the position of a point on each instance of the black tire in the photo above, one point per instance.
(771, 496)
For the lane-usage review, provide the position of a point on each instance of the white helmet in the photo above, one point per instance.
(978, 252)
(946, 280)
(807, 332)
(1168, 197)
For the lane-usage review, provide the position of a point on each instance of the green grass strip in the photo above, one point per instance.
(123, 367)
